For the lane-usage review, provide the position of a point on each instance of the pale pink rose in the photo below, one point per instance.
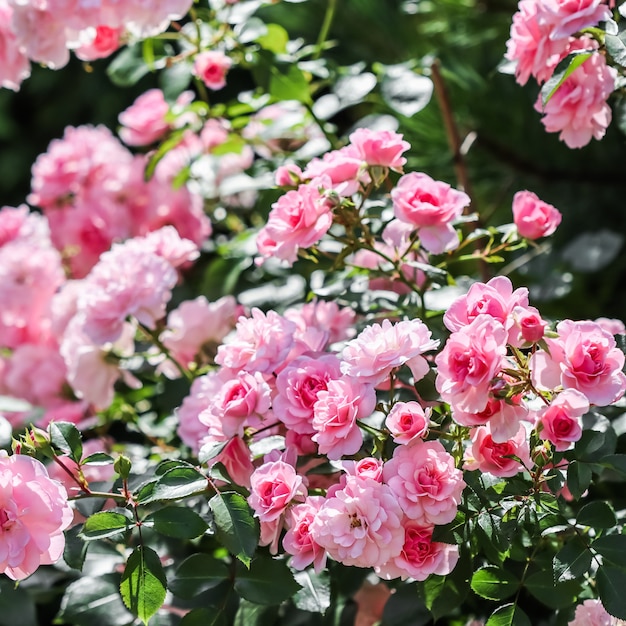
(528, 324)
(195, 328)
(381, 348)
(237, 459)
(20, 223)
(301, 443)
(335, 416)
(327, 316)
(242, 401)
(298, 540)
(367, 467)
(211, 68)
(486, 455)
(532, 43)
(167, 243)
(592, 613)
(431, 207)
(288, 175)
(407, 421)
(611, 325)
(578, 110)
(190, 429)
(420, 556)
(380, 147)
(360, 524)
(425, 481)
(34, 511)
(273, 487)
(260, 343)
(572, 16)
(144, 121)
(14, 65)
(104, 43)
(561, 422)
(503, 417)
(298, 387)
(533, 217)
(584, 357)
(470, 360)
(297, 220)
(343, 168)
(495, 298)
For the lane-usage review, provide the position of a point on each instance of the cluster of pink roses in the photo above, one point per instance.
(44, 31)
(542, 34)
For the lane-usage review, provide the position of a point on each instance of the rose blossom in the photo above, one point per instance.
(261, 343)
(561, 422)
(380, 147)
(584, 357)
(298, 387)
(360, 524)
(298, 540)
(431, 206)
(592, 613)
(578, 110)
(528, 324)
(335, 413)
(33, 514)
(298, 219)
(14, 65)
(211, 67)
(487, 455)
(327, 316)
(343, 171)
(611, 325)
(144, 122)
(420, 556)
(381, 348)
(105, 42)
(425, 481)
(470, 360)
(533, 217)
(407, 421)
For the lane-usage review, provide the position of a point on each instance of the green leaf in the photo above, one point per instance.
(98, 458)
(494, 583)
(93, 601)
(597, 514)
(75, 549)
(250, 614)
(291, 85)
(66, 437)
(508, 615)
(611, 583)
(616, 462)
(405, 607)
(612, 548)
(197, 574)
(143, 583)
(105, 524)
(128, 67)
(616, 47)
(541, 585)
(176, 483)
(578, 478)
(235, 527)
(314, 596)
(268, 581)
(179, 522)
(17, 606)
(204, 617)
(275, 39)
(562, 72)
(572, 561)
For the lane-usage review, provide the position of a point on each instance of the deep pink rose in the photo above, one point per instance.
(211, 68)
(34, 512)
(432, 207)
(533, 217)
(561, 422)
(298, 540)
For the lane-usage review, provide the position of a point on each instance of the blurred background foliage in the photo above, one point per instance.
(579, 274)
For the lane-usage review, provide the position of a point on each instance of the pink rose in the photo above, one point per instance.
(425, 481)
(105, 42)
(34, 512)
(592, 613)
(211, 68)
(533, 217)
(343, 168)
(360, 524)
(420, 556)
(529, 325)
(407, 421)
(495, 458)
(335, 416)
(584, 357)
(431, 206)
(578, 110)
(470, 360)
(571, 16)
(144, 122)
(381, 348)
(561, 422)
(611, 325)
(326, 316)
(380, 147)
(14, 64)
(298, 219)
(298, 540)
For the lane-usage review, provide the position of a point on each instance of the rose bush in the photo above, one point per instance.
(255, 354)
